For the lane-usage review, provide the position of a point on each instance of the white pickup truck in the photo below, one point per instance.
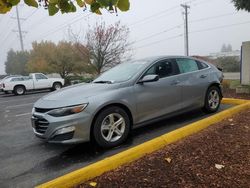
(35, 81)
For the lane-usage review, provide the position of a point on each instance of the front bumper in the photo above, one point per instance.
(64, 130)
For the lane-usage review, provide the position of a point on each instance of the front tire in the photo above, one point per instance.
(56, 86)
(212, 100)
(19, 90)
(111, 127)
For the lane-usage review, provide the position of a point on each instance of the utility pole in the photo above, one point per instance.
(186, 42)
(19, 28)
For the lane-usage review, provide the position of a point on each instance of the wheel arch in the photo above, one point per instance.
(19, 85)
(120, 105)
(216, 84)
(56, 82)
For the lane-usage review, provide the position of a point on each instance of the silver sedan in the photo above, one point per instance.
(127, 96)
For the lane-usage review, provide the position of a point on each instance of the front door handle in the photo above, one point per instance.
(203, 76)
(175, 82)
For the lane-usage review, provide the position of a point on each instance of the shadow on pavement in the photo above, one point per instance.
(88, 152)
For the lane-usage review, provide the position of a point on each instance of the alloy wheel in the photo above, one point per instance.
(113, 127)
(213, 99)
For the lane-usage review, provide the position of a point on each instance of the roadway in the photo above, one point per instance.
(26, 161)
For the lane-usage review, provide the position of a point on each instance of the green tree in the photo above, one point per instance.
(228, 64)
(226, 48)
(66, 6)
(16, 62)
(242, 4)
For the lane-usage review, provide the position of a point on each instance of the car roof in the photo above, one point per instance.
(149, 60)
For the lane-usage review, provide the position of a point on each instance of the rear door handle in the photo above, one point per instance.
(203, 76)
(175, 82)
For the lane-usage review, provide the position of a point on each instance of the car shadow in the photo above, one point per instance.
(88, 153)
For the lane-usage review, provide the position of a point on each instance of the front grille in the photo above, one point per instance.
(40, 125)
(43, 110)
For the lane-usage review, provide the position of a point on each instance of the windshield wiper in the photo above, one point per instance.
(103, 82)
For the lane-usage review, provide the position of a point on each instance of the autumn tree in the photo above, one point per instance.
(41, 56)
(16, 62)
(107, 45)
(62, 58)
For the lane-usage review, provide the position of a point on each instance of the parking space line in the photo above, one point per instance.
(24, 114)
(14, 106)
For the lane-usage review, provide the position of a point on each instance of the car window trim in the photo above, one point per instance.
(151, 65)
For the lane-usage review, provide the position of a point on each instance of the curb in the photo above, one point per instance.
(84, 174)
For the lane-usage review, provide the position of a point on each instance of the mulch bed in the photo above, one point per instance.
(230, 93)
(218, 156)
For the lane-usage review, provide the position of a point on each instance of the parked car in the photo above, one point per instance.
(125, 97)
(6, 77)
(35, 81)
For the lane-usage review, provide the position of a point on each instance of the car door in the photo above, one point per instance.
(41, 81)
(155, 99)
(194, 82)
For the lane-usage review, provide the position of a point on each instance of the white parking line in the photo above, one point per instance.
(25, 114)
(14, 106)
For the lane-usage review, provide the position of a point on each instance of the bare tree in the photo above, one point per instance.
(108, 45)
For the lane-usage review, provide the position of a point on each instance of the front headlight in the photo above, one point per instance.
(59, 112)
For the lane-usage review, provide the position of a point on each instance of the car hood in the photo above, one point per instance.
(73, 95)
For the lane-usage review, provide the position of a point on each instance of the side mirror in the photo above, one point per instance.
(149, 78)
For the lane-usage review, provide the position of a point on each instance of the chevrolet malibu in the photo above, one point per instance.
(125, 97)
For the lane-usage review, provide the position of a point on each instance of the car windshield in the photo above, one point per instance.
(120, 73)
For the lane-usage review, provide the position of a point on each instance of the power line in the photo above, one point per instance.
(197, 31)
(159, 14)
(220, 27)
(213, 17)
(156, 34)
(62, 26)
(159, 41)
(31, 14)
(154, 15)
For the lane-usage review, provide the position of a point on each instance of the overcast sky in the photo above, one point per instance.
(156, 27)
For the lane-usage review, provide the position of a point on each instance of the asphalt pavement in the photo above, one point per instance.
(26, 161)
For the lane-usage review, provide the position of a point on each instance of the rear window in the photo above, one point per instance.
(201, 65)
(187, 65)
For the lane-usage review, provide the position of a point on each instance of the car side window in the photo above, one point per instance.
(164, 68)
(40, 77)
(187, 65)
(201, 65)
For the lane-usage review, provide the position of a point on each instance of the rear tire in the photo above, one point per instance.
(19, 90)
(212, 100)
(111, 127)
(56, 86)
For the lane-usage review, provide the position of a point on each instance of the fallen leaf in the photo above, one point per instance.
(168, 159)
(230, 120)
(93, 184)
(218, 166)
